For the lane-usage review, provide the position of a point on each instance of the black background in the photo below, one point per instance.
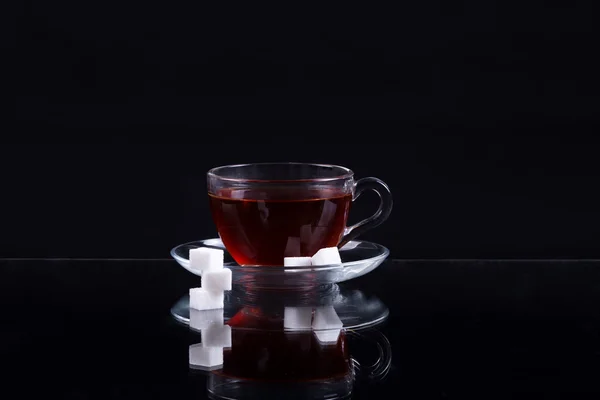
(479, 115)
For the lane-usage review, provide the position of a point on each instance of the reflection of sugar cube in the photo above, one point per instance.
(217, 280)
(205, 357)
(216, 335)
(328, 336)
(200, 319)
(326, 318)
(202, 299)
(297, 261)
(327, 256)
(297, 318)
(205, 258)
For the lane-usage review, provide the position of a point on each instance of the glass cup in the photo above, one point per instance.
(267, 211)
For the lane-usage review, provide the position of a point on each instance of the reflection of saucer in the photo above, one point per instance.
(358, 258)
(355, 309)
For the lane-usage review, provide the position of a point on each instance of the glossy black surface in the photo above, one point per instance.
(77, 329)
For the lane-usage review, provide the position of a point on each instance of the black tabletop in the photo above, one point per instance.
(87, 329)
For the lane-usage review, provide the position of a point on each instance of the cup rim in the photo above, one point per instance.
(345, 174)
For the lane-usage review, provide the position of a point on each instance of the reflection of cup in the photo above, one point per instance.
(265, 354)
(265, 360)
(265, 212)
(289, 344)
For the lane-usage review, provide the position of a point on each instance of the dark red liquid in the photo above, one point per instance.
(266, 353)
(261, 227)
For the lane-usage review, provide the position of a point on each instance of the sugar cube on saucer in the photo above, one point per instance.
(297, 318)
(297, 261)
(206, 358)
(328, 336)
(216, 280)
(217, 335)
(327, 256)
(205, 258)
(201, 319)
(202, 299)
(326, 318)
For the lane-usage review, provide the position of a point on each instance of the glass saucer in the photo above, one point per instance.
(356, 309)
(358, 258)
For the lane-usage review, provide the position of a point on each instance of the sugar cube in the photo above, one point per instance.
(328, 336)
(297, 261)
(217, 335)
(206, 258)
(217, 280)
(297, 318)
(327, 256)
(202, 299)
(326, 318)
(206, 358)
(201, 319)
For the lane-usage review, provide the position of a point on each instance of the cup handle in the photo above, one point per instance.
(382, 213)
(380, 368)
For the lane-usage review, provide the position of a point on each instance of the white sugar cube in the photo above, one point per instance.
(327, 256)
(217, 335)
(217, 280)
(202, 299)
(206, 358)
(297, 261)
(297, 318)
(326, 318)
(201, 319)
(328, 336)
(205, 258)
